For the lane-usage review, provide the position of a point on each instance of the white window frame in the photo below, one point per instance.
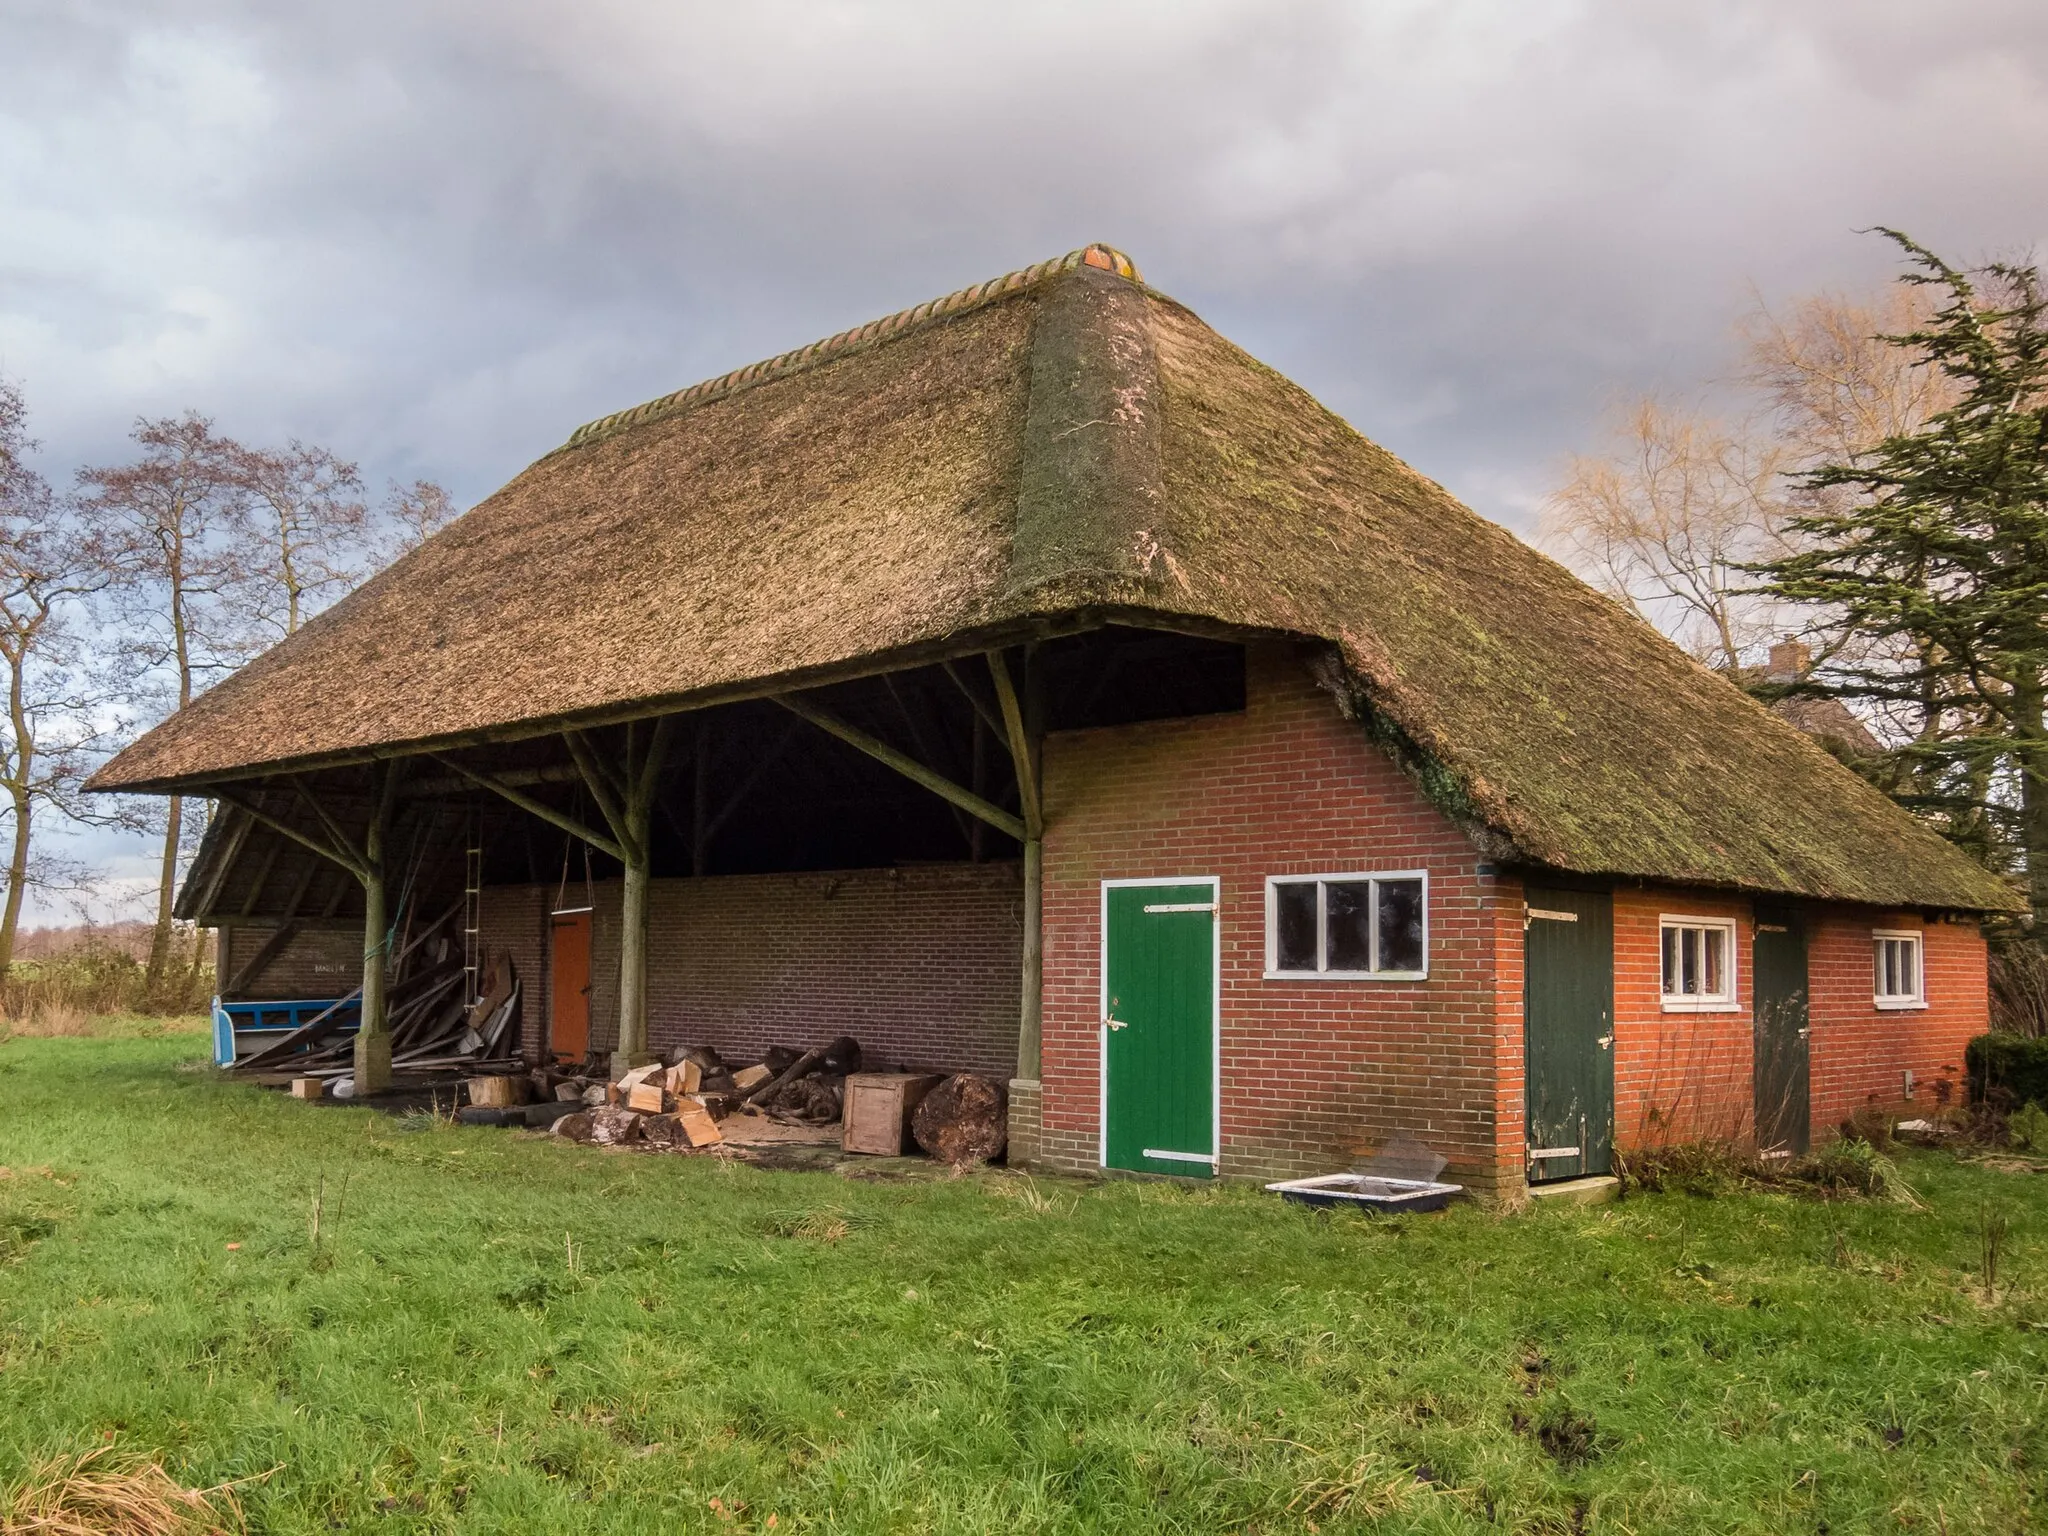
(1729, 999)
(1273, 884)
(1888, 1003)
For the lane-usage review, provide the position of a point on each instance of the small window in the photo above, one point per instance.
(1338, 927)
(1901, 981)
(1699, 963)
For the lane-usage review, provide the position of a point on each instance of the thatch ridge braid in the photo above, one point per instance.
(1098, 257)
(1089, 494)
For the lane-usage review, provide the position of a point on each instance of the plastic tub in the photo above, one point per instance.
(1367, 1192)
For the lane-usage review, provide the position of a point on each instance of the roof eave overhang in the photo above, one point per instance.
(1014, 630)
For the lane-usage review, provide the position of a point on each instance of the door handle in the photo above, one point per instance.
(1605, 1042)
(1109, 1023)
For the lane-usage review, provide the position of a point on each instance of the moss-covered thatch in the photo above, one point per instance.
(1063, 443)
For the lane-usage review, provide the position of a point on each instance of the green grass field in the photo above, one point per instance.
(504, 1333)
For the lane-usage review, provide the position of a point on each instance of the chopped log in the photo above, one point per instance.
(696, 1124)
(749, 1078)
(499, 1092)
(795, 1070)
(777, 1058)
(684, 1077)
(575, 1127)
(597, 1095)
(639, 1075)
(309, 1087)
(569, 1092)
(964, 1120)
(708, 1061)
(648, 1098)
(612, 1127)
(841, 1056)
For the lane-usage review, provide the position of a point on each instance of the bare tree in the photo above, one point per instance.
(1836, 386)
(415, 513)
(176, 533)
(309, 540)
(57, 722)
(1667, 521)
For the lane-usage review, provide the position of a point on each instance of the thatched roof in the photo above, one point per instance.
(1065, 444)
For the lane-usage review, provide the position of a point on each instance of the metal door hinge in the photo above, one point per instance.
(1109, 1023)
(1182, 906)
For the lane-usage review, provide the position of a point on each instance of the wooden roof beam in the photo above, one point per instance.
(904, 764)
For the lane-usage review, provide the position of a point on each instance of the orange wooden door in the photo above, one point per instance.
(569, 966)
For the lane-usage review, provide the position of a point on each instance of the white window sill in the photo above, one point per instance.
(1346, 975)
(1898, 1004)
(1702, 1005)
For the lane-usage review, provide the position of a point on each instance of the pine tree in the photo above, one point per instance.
(1931, 553)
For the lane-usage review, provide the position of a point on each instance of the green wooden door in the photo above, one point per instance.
(1778, 982)
(1568, 1003)
(1159, 1028)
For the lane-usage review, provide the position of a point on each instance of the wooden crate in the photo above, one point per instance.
(878, 1110)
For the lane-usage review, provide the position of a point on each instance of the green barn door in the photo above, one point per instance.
(1778, 981)
(1159, 1028)
(1568, 1002)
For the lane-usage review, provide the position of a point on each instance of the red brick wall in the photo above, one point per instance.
(1861, 1052)
(1677, 1076)
(1314, 1073)
(317, 962)
(919, 964)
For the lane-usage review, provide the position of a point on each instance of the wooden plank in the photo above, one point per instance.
(909, 767)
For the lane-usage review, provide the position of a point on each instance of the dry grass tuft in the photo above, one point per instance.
(97, 1493)
(49, 1020)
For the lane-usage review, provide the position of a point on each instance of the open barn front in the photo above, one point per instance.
(747, 881)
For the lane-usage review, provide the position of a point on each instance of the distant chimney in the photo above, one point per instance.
(1789, 662)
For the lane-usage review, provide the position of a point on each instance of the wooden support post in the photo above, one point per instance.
(373, 1036)
(627, 802)
(1024, 725)
(700, 801)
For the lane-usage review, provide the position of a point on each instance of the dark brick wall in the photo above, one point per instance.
(318, 962)
(919, 964)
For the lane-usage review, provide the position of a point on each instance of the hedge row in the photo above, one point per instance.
(2016, 1063)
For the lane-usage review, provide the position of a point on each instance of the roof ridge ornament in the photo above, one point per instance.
(1103, 257)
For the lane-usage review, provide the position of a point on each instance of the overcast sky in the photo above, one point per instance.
(436, 236)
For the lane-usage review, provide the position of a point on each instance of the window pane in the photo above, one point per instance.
(1400, 910)
(1884, 972)
(1712, 972)
(1349, 906)
(1294, 927)
(1671, 939)
(1689, 969)
(1909, 968)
